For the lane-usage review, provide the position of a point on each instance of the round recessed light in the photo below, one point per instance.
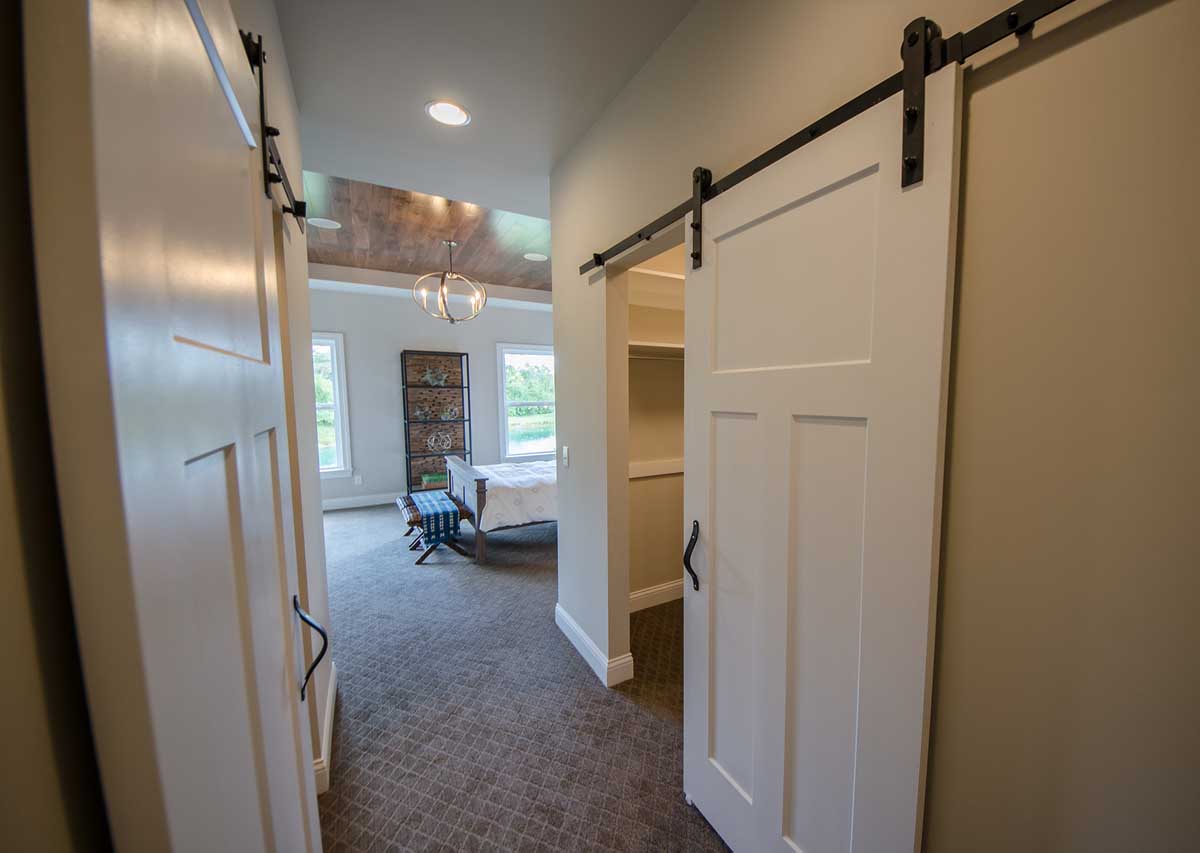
(322, 222)
(448, 113)
(536, 256)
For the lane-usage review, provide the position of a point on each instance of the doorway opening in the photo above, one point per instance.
(655, 439)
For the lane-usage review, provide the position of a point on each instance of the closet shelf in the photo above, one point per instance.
(655, 349)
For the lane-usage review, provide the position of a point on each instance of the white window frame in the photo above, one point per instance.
(519, 349)
(340, 404)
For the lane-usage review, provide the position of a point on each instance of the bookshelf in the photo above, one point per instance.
(437, 414)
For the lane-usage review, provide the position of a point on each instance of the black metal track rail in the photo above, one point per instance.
(1016, 20)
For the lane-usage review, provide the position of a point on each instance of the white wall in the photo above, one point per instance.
(655, 503)
(1065, 685)
(377, 327)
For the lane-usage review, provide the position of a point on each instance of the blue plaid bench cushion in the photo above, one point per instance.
(435, 512)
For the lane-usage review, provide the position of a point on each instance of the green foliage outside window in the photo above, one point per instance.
(529, 383)
(322, 355)
(529, 378)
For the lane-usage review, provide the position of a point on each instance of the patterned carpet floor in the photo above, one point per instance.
(466, 721)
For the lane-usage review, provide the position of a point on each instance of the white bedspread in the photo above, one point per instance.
(518, 493)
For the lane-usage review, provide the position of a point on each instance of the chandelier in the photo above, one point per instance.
(434, 297)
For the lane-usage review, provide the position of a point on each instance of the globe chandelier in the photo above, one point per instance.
(434, 291)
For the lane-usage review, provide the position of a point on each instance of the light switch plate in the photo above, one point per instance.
(566, 456)
(358, 479)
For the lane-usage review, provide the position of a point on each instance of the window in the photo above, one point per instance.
(333, 425)
(526, 400)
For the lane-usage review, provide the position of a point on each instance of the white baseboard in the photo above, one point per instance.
(652, 596)
(359, 501)
(610, 671)
(323, 762)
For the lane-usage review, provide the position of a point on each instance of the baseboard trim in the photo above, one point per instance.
(324, 762)
(359, 501)
(610, 671)
(652, 596)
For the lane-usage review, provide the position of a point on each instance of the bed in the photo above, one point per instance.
(501, 497)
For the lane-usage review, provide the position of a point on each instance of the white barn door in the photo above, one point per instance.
(159, 267)
(817, 351)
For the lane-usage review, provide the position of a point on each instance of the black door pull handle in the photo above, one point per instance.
(687, 555)
(312, 623)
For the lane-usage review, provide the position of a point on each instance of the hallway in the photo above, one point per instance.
(466, 721)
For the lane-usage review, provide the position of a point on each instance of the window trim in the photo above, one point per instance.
(341, 406)
(503, 349)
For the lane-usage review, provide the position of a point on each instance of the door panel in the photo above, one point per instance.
(215, 252)
(737, 558)
(181, 296)
(271, 617)
(824, 275)
(817, 336)
(220, 302)
(827, 483)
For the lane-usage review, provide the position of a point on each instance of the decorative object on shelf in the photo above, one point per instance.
(435, 376)
(437, 414)
(439, 305)
(434, 481)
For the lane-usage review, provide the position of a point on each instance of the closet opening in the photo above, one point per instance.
(656, 376)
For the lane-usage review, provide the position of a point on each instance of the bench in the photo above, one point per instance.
(412, 516)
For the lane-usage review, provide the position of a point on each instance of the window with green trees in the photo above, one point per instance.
(527, 400)
(329, 381)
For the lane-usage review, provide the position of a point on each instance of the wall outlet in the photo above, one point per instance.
(566, 454)
(358, 479)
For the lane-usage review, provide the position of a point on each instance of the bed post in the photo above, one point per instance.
(480, 536)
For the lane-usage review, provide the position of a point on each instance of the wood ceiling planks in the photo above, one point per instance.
(402, 231)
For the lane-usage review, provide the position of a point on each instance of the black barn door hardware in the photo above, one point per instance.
(936, 53)
(701, 181)
(687, 555)
(914, 52)
(272, 162)
(312, 623)
(295, 207)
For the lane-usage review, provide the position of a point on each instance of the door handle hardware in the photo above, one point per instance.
(687, 555)
(312, 623)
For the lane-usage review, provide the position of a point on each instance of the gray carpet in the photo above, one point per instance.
(466, 721)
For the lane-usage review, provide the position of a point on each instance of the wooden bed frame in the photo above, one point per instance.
(457, 467)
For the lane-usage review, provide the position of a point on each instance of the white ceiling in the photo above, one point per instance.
(533, 73)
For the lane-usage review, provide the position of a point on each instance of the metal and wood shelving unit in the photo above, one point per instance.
(437, 414)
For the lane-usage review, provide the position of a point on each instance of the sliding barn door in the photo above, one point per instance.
(817, 340)
(159, 263)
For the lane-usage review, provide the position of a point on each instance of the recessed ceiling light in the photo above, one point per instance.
(322, 222)
(536, 256)
(448, 113)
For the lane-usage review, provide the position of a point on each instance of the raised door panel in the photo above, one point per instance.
(827, 483)
(736, 556)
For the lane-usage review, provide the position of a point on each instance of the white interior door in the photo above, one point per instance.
(817, 338)
(158, 275)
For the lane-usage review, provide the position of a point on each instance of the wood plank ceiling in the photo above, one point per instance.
(402, 231)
